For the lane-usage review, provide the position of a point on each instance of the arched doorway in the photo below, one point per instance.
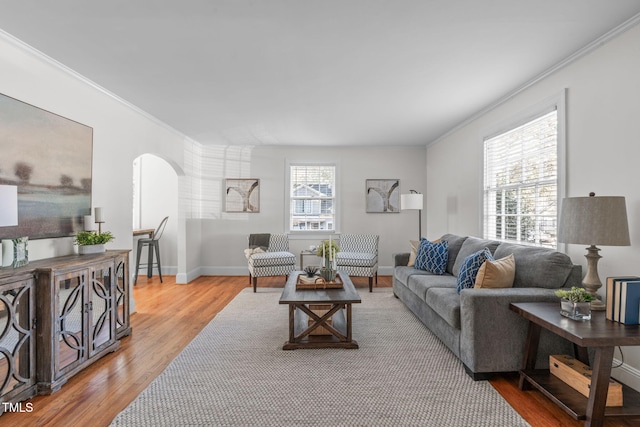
(155, 196)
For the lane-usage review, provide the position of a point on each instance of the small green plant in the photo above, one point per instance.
(85, 238)
(576, 294)
(328, 248)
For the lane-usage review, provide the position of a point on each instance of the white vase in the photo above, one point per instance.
(91, 249)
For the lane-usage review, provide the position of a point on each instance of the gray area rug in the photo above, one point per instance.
(235, 373)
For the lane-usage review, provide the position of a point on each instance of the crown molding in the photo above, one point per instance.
(597, 43)
(61, 67)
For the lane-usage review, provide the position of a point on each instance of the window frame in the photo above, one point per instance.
(557, 102)
(335, 198)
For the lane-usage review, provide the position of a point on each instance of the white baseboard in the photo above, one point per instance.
(626, 374)
(183, 278)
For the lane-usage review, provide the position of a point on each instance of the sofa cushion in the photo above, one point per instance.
(402, 273)
(413, 244)
(470, 246)
(496, 273)
(432, 256)
(445, 302)
(537, 267)
(419, 284)
(469, 268)
(454, 243)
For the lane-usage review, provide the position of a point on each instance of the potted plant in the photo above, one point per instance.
(92, 242)
(575, 303)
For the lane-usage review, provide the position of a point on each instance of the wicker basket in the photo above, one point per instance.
(304, 282)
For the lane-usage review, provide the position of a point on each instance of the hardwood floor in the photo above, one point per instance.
(168, 317)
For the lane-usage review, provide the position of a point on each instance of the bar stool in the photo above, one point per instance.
(153, 244)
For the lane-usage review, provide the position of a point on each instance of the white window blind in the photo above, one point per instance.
(312, 196)
(521, 183)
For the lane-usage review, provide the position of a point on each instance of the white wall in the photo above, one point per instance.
(603, 128)
(120, 134)
(224, 235)
(158, 186)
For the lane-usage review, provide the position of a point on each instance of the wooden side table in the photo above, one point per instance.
(599, 333)
(304, 253)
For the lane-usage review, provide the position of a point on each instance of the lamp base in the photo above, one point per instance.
(597, 305)
(591, 281)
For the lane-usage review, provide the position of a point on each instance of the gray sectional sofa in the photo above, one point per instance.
(477, 324)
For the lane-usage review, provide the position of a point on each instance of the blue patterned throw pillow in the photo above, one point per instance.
(432, 257)
(470, 266)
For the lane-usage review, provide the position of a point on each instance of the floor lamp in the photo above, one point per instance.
(594, 221)
(413, 200)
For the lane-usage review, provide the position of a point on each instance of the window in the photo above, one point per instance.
(521, 182)
(312, 197)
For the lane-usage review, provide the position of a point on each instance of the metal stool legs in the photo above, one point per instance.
(153, 246)
(156, 245)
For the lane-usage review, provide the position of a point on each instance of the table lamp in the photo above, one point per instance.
(594, 221)
(8, 210)
(9, 203)
(413, 200)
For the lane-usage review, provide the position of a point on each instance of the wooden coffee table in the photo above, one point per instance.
(600, 334)
(336, 319)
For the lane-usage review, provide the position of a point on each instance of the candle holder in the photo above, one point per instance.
(98, 219)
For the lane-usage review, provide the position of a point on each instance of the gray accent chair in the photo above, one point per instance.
(358, 256)
(477, 325)
(275, 261)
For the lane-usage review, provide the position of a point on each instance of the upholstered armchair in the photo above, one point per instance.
(275, 260)
(358, 256)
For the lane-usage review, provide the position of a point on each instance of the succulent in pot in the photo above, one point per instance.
(576, 303)
(575, 294)
(92, 241)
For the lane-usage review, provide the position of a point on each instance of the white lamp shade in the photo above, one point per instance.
(594, 221)
(8, 205)
(411, 201)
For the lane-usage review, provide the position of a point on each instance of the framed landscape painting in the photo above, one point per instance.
(242, 195)
(49, 159)
(383, 195)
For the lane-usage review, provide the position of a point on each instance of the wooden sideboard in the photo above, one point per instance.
(57, 316)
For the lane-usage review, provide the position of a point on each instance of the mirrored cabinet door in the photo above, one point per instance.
(122, 296)
(70, 328)
(17, 342)
(100, 313)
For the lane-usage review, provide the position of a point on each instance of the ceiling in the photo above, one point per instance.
(312, 72)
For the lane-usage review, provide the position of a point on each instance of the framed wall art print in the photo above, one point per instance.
(242, 195)
(383, 195)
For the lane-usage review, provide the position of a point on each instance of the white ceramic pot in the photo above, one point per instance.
(91, 249)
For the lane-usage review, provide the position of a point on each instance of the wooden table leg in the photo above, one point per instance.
(599, 386)
(348, 307)
(530, 352)
(582, 354)
(292, 324)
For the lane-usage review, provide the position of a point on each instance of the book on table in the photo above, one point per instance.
(630, 302)
(613, 296)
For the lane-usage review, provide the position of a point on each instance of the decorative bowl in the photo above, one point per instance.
(311, 270)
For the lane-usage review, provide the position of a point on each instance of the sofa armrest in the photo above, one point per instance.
(400, 259)
(493, 337)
